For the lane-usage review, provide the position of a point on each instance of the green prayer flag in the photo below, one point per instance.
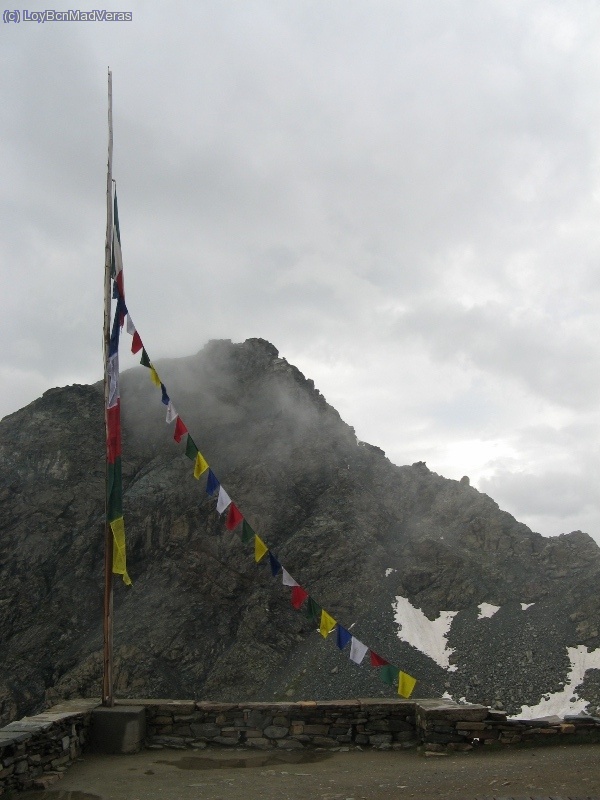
(389, 674)
(191, 450)
(313, 611)
(247, 533)
(144, 360)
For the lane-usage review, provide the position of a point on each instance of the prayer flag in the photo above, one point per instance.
(327, 624)
(358, 651)
(260, 548)
(247, 532)
(223, 500)
(377, 661)
(154, 377)
(389, 674)
(179, 431)
(313, 610)
(144, 360)
(119, 565)
(171, 413)
(191, 450)
(165, 397)
(200, 465)
(136, 344)
(275, 565)
(234, 517)
(299, 595)
(287, 578)
(342, 637)
(406, 684)
(130, 325)
(116, 271)
(212, 482)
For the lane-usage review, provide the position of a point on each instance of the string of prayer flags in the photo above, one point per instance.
(406, 684)
(358, 650)
(181, 430)
(377, 661)
(247, 532)
(223, 500)
(260, 548)
(327, 624)
(342, 637)
(287, 578)
(200, 465)
(114, 483)
(299, 595)
(389, 673)
(275, 565)
(234, 517)
(313, 610)
(212, 483)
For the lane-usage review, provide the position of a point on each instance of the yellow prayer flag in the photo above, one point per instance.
(260, 548)
(119, 565)
(154, 377)
(406, 684)
(200, 465)
(327, 624)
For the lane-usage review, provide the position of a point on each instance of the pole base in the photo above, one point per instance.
(118, 729)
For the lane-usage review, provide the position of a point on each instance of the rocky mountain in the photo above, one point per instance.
(371, 542)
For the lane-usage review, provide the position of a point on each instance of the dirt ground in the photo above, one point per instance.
(557, 772)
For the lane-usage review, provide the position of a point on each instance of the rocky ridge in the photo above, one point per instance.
(202, 620)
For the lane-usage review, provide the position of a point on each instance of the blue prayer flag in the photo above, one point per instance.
(275, 565)
(342, 637)
(165, 397)
(212, 483)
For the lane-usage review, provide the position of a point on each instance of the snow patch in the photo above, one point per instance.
(389, 571)
(424, 634)
(560, 703)
(487, 610)
(525, 606)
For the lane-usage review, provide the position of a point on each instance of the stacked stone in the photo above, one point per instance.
(35, 751)
(373, 723)
(446, 727)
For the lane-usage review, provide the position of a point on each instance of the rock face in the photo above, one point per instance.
(202, 620)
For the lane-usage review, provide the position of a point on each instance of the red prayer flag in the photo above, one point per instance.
(299, 595)
(180, 429)
(136, 344)
(234, 517)
(377, 661)
(113, 440)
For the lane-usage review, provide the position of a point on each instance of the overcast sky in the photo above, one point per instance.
(402, 196)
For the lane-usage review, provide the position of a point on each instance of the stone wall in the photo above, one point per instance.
(379, 723)
(35, 751)
(445, 727)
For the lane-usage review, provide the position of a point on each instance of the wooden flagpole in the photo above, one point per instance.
(107, 675)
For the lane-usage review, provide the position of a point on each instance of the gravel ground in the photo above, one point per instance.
(558, 771)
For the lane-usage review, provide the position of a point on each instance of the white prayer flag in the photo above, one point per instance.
(113, 380)
(130, 325)
(357, 650)
(287, 578)
(171, 413)
(223, 501)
